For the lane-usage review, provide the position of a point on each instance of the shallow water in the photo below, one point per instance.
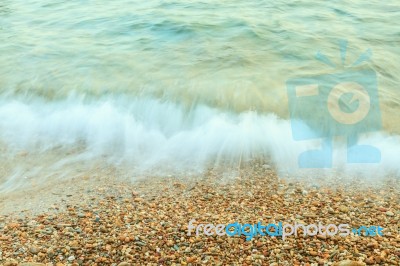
(178, 86)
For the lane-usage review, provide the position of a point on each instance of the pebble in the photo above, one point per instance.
(34, 250)
(31, 264)
(348, 263)
(152, 229)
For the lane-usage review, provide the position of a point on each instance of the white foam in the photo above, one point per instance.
(151, 136)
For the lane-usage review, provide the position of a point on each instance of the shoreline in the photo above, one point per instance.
(146, 222)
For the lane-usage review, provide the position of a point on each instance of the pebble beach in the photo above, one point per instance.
(128, 129)
(146, 223)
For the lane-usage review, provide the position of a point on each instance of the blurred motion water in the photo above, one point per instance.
(176, 86)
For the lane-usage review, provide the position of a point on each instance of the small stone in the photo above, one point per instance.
(348, 263)
(309, 215)
(382, 209)
(74, 244)
(63, 225)
(315, 203)
(124, 264)
(389, 213)
(191, 259)
(343, 208)
(370, 261)
(31, 264)
(34, 250)
(50, 253)
(140, 243)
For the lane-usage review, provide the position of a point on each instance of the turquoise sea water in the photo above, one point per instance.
(177, 86)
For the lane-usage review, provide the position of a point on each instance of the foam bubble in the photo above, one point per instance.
(148, 136)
